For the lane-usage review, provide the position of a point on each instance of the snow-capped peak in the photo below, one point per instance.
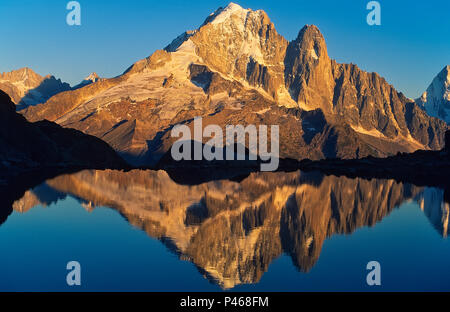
(222, 15)
(436, 100)
(447, 83)
(440, 87)
(225, 17)
(92, 77)
(234, 6)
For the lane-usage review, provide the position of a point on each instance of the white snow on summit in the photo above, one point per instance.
(230, 10)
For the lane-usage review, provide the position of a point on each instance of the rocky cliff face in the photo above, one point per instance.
(232, 231)
(436, 100)
(309, 77)
(236, 68)
(28, 146)
(26, 88)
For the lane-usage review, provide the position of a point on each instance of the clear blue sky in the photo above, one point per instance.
(410, 47)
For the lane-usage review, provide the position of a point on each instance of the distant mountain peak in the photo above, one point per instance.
(436, 100)
(26, 87)
(24, 74)
(92, 77)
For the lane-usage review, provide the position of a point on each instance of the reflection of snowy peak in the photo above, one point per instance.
(232, 231)
(436, 100)
(435, 208)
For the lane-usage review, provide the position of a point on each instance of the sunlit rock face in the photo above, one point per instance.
(232, 231)
(237, 67)
(437, 210)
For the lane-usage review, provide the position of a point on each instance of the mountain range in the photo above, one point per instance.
(436, 100)
(236, 69)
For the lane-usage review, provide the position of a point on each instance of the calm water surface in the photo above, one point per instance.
(141, 231)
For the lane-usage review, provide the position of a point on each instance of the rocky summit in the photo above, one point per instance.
(25, 87)
(93, 77)
(236, 69)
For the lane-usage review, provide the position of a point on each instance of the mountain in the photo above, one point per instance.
(436, 100)
(236, 69)
(26, 147)
(92, 78)
(437, 210)
(26, 87)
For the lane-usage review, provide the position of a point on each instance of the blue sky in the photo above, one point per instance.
(410, 47)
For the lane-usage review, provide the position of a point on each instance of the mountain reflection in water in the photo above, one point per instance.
(232, 231)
